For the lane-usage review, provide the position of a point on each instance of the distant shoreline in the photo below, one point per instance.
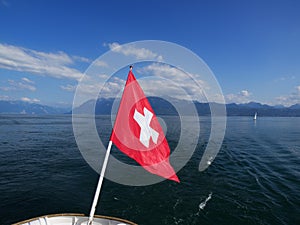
(108, 115)
(160, 106)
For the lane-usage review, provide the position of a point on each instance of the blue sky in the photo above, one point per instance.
(252, 47)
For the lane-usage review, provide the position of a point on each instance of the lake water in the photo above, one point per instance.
(255, 178)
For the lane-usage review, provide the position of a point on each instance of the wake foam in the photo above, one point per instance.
(203, 204)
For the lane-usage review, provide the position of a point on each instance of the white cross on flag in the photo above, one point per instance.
(138, 134)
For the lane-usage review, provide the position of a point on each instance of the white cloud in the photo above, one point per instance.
(291, 99)
(245, 93)
(68, 87)
(24, 84)
(81, 59)
(27, 80)
(164, 70)
(174, 82)
(100, 63)
(31, 100)
(103, 76)
(160, 80)
(27, 60)
(4, 97)
(90, 90)
(241, 97)
(139, 53)
(111, 88)
(165, 81)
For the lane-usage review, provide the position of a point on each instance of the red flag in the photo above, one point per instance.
(138, 134)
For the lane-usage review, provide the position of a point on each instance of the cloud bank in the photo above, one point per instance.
(56, 65)
(241, 97)
(291, 99)
(138, 53)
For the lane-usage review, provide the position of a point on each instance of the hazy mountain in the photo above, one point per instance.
(255, 105)
(105, 106)
(21, 107)
(279, 106)
(296, 106)
(163, 107)
(160, 106)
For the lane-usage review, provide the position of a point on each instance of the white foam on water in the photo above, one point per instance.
(203, 204)
(178, 201)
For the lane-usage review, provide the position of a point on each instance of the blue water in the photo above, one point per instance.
(255, 178)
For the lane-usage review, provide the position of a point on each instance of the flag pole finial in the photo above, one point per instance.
(130, 67)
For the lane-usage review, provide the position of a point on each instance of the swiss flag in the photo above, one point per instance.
(138, 134)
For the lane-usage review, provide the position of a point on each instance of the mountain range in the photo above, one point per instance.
(22, 107)
(161, 107)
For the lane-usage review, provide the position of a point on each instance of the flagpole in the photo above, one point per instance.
(96, 197)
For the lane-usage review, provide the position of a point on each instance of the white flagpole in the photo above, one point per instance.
(96, 197)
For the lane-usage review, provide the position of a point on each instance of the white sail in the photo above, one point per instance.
(255, 116)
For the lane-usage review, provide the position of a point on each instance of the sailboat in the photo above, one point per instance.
(151, 139)
(255, 116)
